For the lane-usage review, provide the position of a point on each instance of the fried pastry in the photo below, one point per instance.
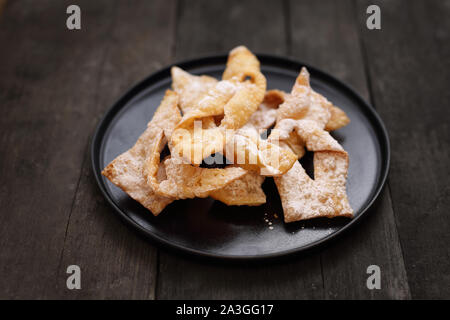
(247, 189)
(304, 103)
(266, 115)
(180, 180)
(190, 88)
(248, 150)
(184, 180)
(325, 196)
(126, 171)
(235, 98)
(243, 191)
(203, 117)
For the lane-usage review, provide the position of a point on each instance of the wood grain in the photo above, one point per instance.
(334, 47)
(121, 264)
(410, 71)
(2, 5)
(218, 28)
(40, 93)
(55, 85)
(206, 27)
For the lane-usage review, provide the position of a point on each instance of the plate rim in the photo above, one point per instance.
(270, 59)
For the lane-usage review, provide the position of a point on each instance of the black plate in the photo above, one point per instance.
(210, 228)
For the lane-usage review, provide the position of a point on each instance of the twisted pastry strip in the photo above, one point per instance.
(126, 171)
(251, 152)
(247, 189)
(243, 67)
(301, 121)
(190, 88)
(305, 103)
(183, 180)
(177, 180)
(325, 196)
(235, 98)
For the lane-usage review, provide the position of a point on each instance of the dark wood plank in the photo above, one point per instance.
(2, 4)
(409, 66)
(55, 84)
(116, 263)
(325, 34)
(47, 85)
(204, 27)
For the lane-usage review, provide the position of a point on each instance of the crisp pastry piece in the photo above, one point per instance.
(266, 114)
(125, 171)
(190, 88)
(224, 117)
(243, 191)
(236, 97)
(295, 144)
(199, 96)
(192, 141)
(249, 151)
(195, 137)
(232, 100)
(212, 103)
(337, 120)
(325, 196)
(179, 180)
(321, 110)
(243, 67)
(184, 180)
(314, 137)
(195, 144)
(305, 103)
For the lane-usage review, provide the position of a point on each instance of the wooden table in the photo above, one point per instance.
(55, 84)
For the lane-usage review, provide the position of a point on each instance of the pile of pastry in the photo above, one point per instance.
(221, 138)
